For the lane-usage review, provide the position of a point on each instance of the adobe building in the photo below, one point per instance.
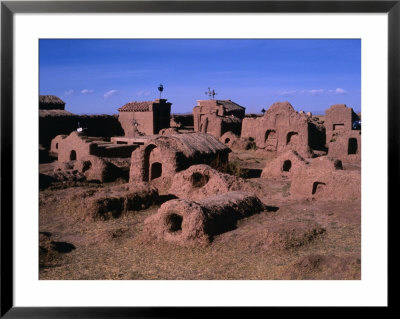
(216, 117)
(339, 118)
(145, 118)
(343, 141)
(162, 156)
(192, 223)
(76, 146)
(331, 183)
(281, 128)
(51, 102)
(286, 164)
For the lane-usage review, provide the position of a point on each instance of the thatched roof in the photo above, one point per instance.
(191, 144)
(50, 99)
(136, 107)
(54, 113)
(230, 105)
(230, 119)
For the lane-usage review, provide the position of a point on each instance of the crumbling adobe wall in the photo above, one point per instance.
(216, 117)
(346, 146)
(280, 129)
(55, 143)
(74, 147)
(322, 184)
(237, 143)
(149, 162)
(97, 169)
(161, 157)
(114, 201)
(339, 118)
(217, 125)
(51, 125)
(201, 181)
(284, 165)
(77, 145)
(189, 223)
(287, 163)
(326, 163)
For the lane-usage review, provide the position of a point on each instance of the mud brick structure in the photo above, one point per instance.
(319, 184)
(97, 169)
(55, 142)
(114, 201)
(201, 181)
(217, 117)
(286, 164)
(77, 145)
(339, 118)
(50, 102)
(342, 140)
(346, 146)
(161, 157)
(282, 128)
(148, 118)
(237, 143)
(189, 223)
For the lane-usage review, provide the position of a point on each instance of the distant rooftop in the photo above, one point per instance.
(227, 104)
(143, 106)
(230, 105)
(50, 99)
(136, 107)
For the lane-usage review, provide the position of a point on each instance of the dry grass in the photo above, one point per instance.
(114, 249)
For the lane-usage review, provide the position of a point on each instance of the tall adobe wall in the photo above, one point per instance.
(280, 129)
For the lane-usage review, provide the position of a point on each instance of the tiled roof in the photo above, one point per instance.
(136, 107)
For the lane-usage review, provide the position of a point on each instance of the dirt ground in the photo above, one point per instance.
(291, 239)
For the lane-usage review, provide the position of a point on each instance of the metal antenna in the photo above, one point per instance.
(211, 94)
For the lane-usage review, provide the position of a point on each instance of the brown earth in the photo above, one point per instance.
(292, 238)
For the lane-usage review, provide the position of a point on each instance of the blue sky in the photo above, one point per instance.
(98, 76)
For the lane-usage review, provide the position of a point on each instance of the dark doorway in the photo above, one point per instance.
(353, 146)
(174, 223)
(199, 180)
(287, 165)
(156, 170)
(72, 156)
(271, 140)
(292, 138)
(317, 187)
(146, 164)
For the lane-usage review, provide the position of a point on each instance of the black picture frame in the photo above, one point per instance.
(9, 8)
